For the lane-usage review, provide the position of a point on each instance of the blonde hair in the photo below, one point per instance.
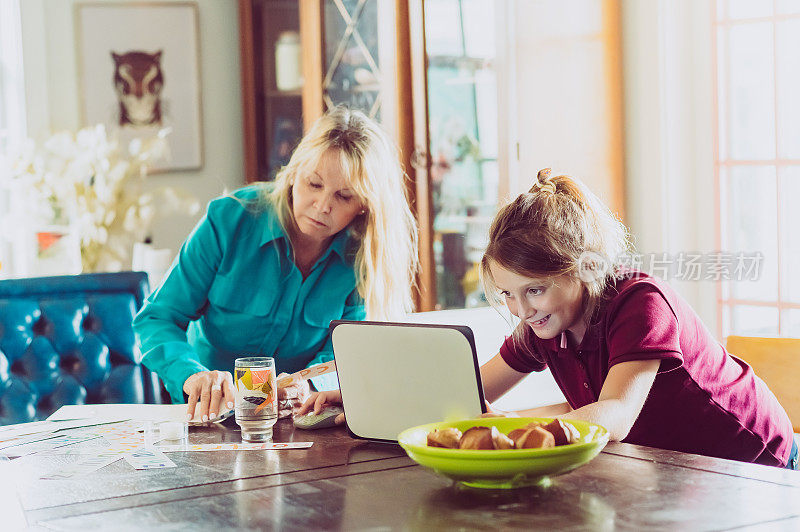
(386, 255)
(557, 228)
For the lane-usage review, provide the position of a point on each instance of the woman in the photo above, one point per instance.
(268, 268)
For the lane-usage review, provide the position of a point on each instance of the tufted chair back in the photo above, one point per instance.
(69, 340)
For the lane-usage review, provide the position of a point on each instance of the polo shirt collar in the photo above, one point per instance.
(590, 341)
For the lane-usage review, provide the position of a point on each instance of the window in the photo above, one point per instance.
(463, 113)
(514, 87)
(757, 165)
(12, 98)
(12, 109)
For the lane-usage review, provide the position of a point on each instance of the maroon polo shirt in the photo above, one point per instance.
(703, 401)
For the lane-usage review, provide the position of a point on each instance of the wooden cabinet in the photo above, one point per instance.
(348, 56)
(273, 117)
(448, 80)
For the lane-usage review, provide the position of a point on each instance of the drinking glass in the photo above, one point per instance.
(256, 397)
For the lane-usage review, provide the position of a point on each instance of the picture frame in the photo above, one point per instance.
(139, 73)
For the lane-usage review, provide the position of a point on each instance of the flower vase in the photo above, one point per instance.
(56, 251)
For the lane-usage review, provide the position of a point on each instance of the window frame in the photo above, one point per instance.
(727, 303)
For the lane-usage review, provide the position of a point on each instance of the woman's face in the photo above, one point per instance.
(549, 306)
(323, 202)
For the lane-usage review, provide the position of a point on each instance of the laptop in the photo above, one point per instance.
(398, 375)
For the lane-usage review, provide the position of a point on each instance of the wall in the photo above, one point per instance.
(48, 32)
(568, 90)
(669, 99)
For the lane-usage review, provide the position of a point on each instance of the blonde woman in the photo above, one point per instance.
(268, 267)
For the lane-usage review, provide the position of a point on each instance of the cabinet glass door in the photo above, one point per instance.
(352, 55)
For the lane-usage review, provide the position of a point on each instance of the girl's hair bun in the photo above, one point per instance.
(543, 182)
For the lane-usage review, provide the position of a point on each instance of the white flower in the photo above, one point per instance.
(135, 147)
(85, 179)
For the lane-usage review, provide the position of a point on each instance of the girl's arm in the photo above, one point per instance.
(498, 377)
(546, 411)
(318, 401)
(623, 395)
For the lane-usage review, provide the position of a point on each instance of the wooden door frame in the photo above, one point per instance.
(249, 108)
(413, 139)
(311, 41)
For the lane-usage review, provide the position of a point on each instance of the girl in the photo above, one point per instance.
(268, 267)
(626, 350)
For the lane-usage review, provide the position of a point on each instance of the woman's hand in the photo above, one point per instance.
(214, 390)
(292, 396)
(318, 401)
(496, 412)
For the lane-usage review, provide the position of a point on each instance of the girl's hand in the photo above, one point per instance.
(292, 396)
(318, 401)
(214, 390)
(496, 412)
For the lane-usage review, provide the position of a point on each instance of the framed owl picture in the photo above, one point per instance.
(139, 74)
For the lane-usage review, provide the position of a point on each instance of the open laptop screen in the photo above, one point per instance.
(398, 375)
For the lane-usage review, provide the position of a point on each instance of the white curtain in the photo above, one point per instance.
(12, 93)
(12, 115)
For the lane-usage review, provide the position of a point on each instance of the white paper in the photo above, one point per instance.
(120, 412)
(48, 444)
(11, 434)
(85, 448)
(10, 506)
(23, 428)
(84, 466)
(148, 459)
(18, 442)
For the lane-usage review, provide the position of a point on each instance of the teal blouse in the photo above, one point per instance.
(233, 290)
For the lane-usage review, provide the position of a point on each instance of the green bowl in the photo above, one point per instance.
(508, 468)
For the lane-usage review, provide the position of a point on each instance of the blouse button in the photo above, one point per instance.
(586, 385)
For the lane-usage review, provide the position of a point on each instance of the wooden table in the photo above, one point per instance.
(342, 483)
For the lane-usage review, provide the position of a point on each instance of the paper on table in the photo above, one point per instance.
(87, 415)
(24, 440)
(48, 444)
(82, 448)
(148, 459)
(10, 506)
(15, 433)
(120, 412)
(26, 428)
(83, 466)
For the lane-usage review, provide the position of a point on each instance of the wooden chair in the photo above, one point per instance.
(777, 362)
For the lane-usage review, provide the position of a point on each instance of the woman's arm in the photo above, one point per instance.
(498, 377)
(621, 400)
(161, 324)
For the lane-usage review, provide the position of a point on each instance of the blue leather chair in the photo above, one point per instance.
(69, 340)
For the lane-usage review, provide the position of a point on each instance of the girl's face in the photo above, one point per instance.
(549, 306)
(323, 202)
